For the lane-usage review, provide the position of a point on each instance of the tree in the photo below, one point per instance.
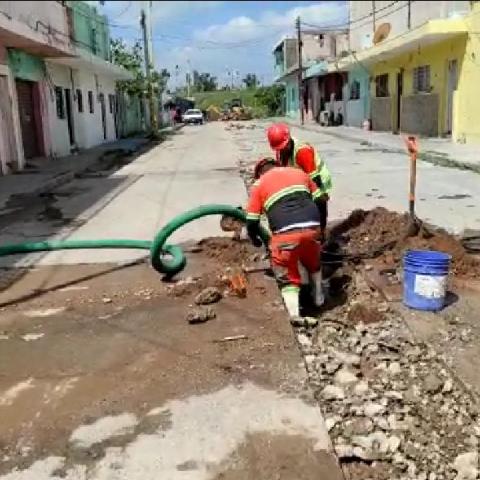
(204, 82)
(271, 98)
(131, 58)
(251, 80)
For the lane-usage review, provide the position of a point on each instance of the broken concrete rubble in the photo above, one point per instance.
(388, 399)
(208, 295)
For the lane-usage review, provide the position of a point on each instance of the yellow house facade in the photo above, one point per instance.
(426, 81)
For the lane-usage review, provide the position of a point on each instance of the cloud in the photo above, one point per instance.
(245, 28)
(127, 13)
(243, 43)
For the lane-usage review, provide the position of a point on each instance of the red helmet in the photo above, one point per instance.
(260, 164)
(278, 136)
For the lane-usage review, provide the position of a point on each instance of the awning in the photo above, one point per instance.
(87, 60)
(429, 33)
(316, 70)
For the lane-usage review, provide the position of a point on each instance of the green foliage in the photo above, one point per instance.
(219, 97)
(131, 58)
(250, 80)
(271, 98)
(204, 82)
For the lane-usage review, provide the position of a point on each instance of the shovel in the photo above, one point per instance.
(414, 223)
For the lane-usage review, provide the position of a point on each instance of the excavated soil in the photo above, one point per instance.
(382, 233)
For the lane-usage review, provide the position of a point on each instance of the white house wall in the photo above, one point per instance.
(88, 128)
(57, 76)
(89, 125)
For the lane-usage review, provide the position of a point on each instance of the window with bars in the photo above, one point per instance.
(79, 100)
(421, 79)
(90, 102)
(355, 90)
(60, 104)
(381, 85)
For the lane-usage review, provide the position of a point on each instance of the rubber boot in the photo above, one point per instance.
(291, 298)
(318, 295)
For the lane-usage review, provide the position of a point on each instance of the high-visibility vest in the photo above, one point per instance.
(321, 167)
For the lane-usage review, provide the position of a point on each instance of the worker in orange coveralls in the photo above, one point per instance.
(289, 198)
(291, 152)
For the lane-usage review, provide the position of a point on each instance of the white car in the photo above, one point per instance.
(193, 116)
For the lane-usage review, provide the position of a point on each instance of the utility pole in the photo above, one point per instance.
(409, 15)
(373, 16)
(300, 70)
(146, 25)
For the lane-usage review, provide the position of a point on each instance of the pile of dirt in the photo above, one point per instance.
(380, 232)
(229, 252)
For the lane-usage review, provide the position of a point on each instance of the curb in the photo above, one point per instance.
(435, 158)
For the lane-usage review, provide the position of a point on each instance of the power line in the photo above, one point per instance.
(351, 22)
(125, 10)
(382, 16)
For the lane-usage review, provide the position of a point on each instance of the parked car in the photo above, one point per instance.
(193, 116)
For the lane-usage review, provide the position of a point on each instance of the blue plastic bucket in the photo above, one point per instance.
(425, 279)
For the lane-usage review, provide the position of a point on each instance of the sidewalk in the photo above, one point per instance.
(439, 151)
(46, 174)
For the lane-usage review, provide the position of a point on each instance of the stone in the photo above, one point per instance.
(106, 300)
(466, 466)
(345, 377)
(310, 321)
(358, 426)
(392, 394)
(432, 383)
(381, 423)
(201, 315)
(208, 296)
(447, 386)
(344, 451)
(332, 367)
(394, 443)
(361, 388)
(310, 360)
(394, 368)
(330, 422)
(333, 392)
(372, 409)
(304, 340)
(412, 395)
(346, 358)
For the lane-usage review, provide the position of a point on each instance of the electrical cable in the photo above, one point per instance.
(125, 10)
(350, 22)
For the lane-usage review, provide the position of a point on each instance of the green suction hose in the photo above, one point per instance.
(166, 259)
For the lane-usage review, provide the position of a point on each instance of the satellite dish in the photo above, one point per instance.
(381, 33)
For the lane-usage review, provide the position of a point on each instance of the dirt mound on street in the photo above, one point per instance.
(380, 232)
(228, 251)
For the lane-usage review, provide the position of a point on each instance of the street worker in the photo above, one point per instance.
(291, 152)
(291, 202)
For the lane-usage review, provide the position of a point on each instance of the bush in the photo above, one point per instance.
(271, 98)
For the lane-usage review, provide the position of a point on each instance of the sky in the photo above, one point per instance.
(218, 37)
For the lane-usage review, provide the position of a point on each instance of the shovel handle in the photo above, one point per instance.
(412, 147)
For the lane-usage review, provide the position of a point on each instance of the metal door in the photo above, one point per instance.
(27, 118)
(69, 111)
(451, 87)
(104, 115)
